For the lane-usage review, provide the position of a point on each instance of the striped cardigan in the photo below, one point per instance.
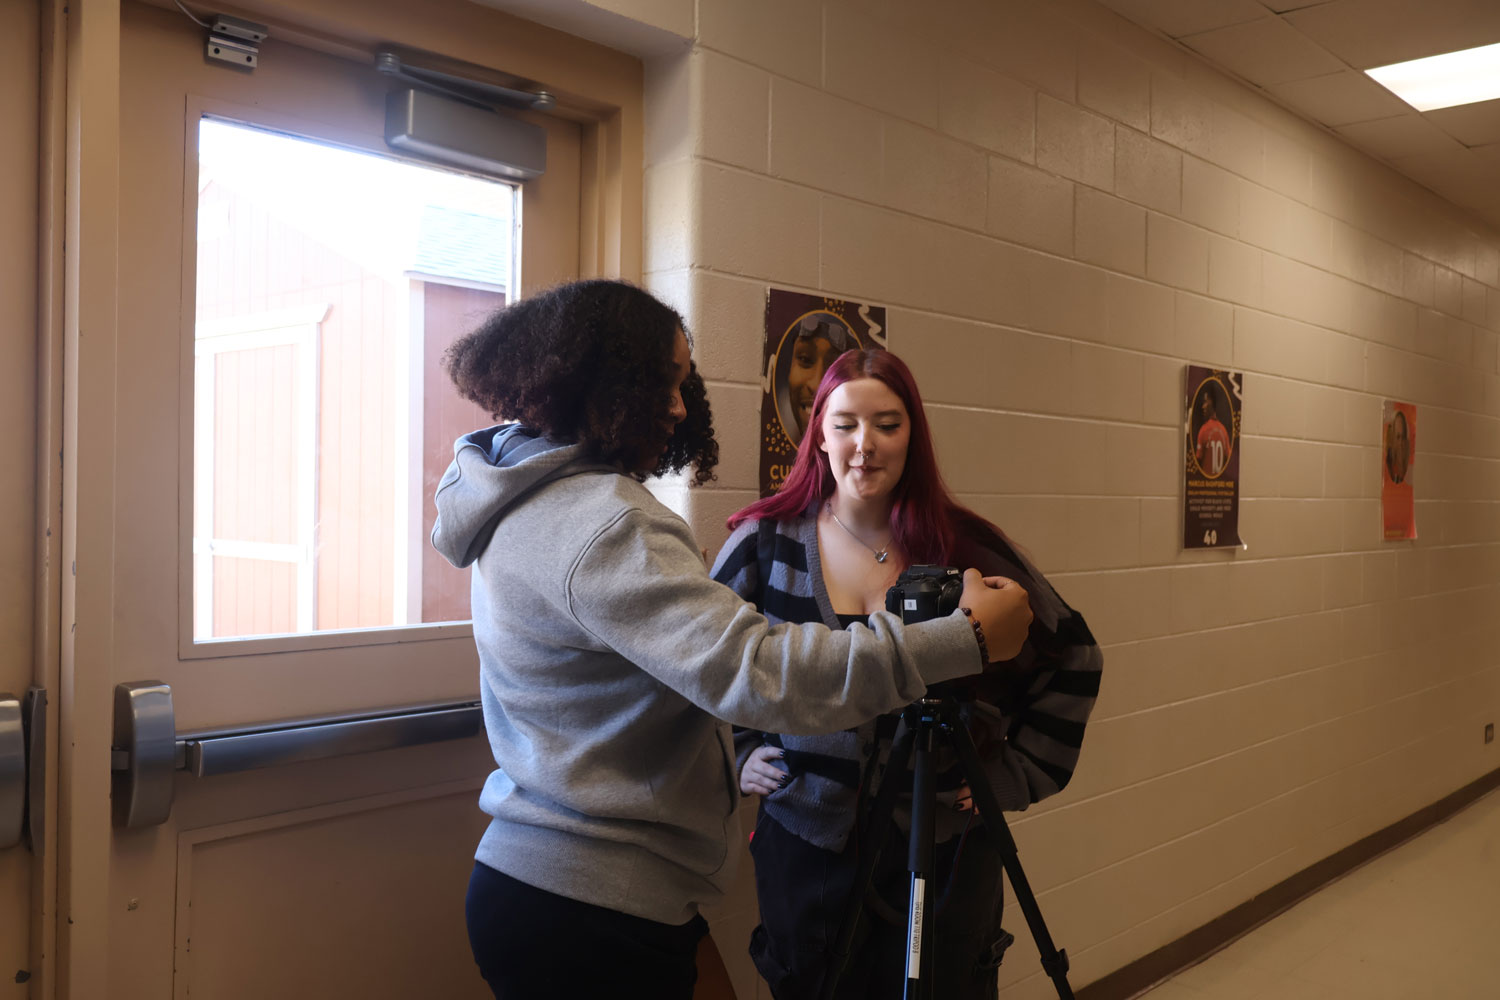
(1027, 721)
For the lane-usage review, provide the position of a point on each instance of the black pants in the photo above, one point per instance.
(804, 889)
(535, 945)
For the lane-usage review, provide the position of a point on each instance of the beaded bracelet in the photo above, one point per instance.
(984, 651)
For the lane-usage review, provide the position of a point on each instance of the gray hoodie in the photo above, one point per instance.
(608, 659)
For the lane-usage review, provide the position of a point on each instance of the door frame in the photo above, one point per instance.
(45, 570)
(79, 257)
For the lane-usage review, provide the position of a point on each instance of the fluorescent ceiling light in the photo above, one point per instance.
(1446, 80)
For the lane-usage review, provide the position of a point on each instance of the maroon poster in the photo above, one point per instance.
(804, 333)
(1211, 425)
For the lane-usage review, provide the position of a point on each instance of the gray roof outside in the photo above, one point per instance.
(452, 243)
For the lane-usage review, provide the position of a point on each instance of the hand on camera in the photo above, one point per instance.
(1003, 610)
(759, 775)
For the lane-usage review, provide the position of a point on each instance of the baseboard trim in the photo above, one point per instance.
(1128, 981)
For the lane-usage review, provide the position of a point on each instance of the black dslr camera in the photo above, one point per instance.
(923, 593)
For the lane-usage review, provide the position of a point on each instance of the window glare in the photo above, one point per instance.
(329, 283)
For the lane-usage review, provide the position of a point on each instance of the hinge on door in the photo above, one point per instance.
(234, 42)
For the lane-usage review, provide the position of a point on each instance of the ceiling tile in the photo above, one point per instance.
(1368, 33)
(1401, 137)
(1175, 18)
(1340, 98)
(1471, 124)
(1264, 52)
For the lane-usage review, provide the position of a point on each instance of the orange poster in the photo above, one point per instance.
(1398, 469)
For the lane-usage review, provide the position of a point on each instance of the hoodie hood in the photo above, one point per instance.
(491, 470)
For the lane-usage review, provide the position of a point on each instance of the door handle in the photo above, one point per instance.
(23, 768)
(142, 753)
(12, 771)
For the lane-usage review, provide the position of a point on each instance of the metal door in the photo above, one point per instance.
(233, 848)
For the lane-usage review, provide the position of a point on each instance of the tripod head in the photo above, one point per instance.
(923, 593)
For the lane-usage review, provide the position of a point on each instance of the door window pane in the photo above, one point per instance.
(330, 282)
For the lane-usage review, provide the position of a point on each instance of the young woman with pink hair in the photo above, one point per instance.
(864, 500)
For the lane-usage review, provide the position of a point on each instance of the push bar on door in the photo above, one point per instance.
(147, 750)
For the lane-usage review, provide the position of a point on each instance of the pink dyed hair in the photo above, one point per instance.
(927, 524)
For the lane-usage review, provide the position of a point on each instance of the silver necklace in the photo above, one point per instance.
(879, 554)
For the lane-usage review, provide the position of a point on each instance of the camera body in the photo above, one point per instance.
(923, 593)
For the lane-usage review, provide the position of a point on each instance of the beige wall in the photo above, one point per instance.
(19, 44)
(1060, 210)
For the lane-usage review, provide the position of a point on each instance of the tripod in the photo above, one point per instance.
(925, 722)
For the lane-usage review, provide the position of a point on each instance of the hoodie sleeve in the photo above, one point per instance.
(640, 588)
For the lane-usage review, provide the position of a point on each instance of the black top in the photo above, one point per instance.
(846, 620)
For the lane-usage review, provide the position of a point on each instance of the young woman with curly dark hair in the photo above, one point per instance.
(608, 657)
(558, 362)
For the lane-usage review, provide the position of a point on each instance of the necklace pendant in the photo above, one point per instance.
(879, 554)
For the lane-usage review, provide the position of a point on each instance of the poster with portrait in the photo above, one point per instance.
(1398, 469)
(804, 333)
(1211, 427)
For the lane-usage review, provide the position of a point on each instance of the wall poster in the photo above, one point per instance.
(1398, 469)
(804, 333)
(1211, 426)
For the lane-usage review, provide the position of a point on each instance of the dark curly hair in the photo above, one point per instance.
(591, 363)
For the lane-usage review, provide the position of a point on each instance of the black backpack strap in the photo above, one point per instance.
(765, 554)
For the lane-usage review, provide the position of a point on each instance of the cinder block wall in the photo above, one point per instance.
(1060, 210)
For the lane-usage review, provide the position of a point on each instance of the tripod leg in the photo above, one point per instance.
(919, 862)
(869, 853)
(1054, 962)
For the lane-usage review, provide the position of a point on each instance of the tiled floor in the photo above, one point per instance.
(1421, 922)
